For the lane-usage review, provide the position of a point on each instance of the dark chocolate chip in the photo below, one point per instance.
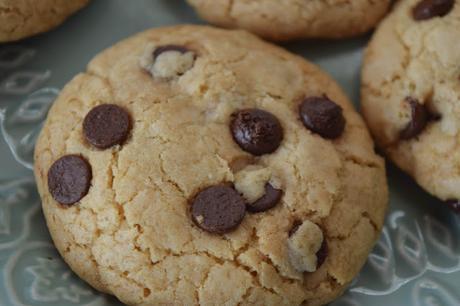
(218, 209)
(271, 197)
(419, 118)
(454, 205)
(427, 9)
(69, 179)
(106, 125)
(434, 116)
(167, 48)
(256, 131)
(322, 116)
(295, 226)
(322, 254)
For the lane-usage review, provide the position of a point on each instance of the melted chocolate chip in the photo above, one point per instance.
(322, 116)
(69, 179)
(419, 118)
(167, 48)
(256, 131)
(218, 209)
(269, 200)
(454, 205)
(427, 9)
(322, 254)
(106, 125)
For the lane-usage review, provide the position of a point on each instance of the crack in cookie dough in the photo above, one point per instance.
(140, 242)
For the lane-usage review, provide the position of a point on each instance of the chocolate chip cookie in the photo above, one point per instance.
(24, 18)
(411, 92)
(191, 165)
(294, 19)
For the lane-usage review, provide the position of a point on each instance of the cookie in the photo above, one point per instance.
(24, 18)
(221, 170)
(294, 19)
(411, 92)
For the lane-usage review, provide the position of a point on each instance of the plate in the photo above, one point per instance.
(415, 262)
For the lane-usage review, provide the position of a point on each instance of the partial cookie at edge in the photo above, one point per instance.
(293, 19)
(411, 90)
(20, 18)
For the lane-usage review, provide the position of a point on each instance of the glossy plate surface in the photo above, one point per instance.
(416, 261)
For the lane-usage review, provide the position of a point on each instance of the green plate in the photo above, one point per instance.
(416, 261)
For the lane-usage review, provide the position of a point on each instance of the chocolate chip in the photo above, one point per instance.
(218, 209)
(69, 179)
(427, 9)
(419, 118)
(322, 116)
(454, 205)
(322, 254)
(271, 197)
(106, 125)
(256, 131)
(167, 48)
(295, 226)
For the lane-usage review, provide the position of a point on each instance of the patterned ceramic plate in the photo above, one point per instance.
(416, 261)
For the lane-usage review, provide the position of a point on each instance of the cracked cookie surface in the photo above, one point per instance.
(143, 232)
(294, 19)
(24, 18)
(411, 92)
